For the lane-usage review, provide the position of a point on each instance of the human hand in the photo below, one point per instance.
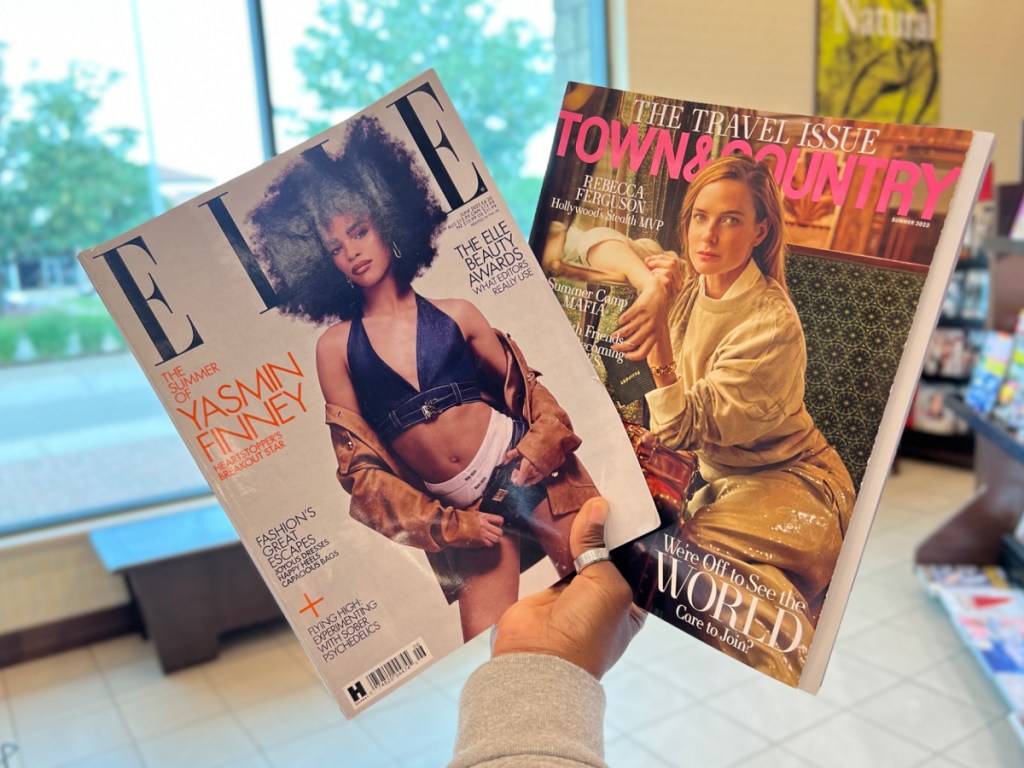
(639, 324)
(588, 621)
(668, 269)
(489, 532)
(525, 474)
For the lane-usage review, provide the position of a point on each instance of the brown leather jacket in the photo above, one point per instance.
(389, 498)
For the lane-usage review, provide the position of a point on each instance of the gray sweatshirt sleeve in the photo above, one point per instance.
(530, 710)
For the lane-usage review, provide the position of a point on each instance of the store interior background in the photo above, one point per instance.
(756, 54)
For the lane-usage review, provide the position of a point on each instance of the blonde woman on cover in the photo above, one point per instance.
(729, 358)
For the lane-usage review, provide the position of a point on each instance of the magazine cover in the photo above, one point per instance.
(930, 412)
(757, 291)
(938, 577)
(951, 353)
(364, 359)
(1009, 407)
(991, 623)
(989, 372)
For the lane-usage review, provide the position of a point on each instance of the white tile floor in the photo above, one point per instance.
(901, 691)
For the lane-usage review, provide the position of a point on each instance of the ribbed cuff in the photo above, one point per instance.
(665, 404)
(520, 708)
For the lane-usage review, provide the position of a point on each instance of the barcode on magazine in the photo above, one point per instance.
(364, 688)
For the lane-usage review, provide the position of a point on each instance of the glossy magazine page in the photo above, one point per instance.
(364, 359)
(756, 290)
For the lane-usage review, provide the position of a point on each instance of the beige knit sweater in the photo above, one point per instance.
(739, 398)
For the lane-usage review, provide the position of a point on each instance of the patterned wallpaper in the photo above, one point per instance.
(856, 318)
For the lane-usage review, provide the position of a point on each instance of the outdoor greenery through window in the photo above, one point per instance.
(115, 110)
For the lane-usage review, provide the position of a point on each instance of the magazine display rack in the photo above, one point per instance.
(991, 625)
(974, 534)
(934, 432)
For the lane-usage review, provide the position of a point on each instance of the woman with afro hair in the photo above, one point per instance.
(426, 403)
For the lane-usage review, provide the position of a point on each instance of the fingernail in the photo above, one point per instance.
(597, 509)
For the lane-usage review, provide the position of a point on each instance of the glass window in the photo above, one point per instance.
(125, 108)
(504, 65)
(110, 111)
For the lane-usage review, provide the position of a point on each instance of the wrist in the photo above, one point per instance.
(662, 362)
(545, 683)
(645, 281)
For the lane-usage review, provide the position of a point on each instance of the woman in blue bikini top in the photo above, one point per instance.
(421, 372)
(445, 370)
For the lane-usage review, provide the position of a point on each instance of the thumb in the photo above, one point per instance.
(587, 530)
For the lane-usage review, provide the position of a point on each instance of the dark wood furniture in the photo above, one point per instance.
(190, 578)
(975, 533)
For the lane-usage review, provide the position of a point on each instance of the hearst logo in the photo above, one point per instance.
(863, 19)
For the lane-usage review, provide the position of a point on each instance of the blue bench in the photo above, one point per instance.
(190, 578)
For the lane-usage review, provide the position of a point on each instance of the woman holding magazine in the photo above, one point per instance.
(445, 439)
(728, 358)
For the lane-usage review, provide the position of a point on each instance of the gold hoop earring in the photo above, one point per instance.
(395, 250)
